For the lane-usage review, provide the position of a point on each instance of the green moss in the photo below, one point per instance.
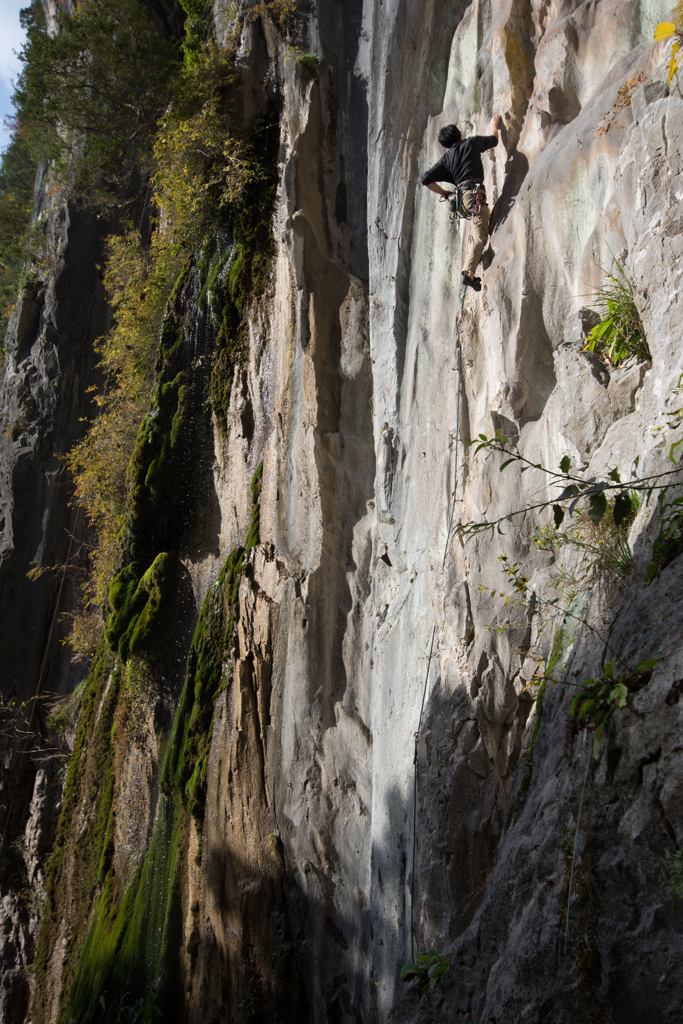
(106, 807)
(145, 631)
(131, 950)
(222, 376)
(121, 597)
(83, 846)
(254, 535)
(186, 765)
(179, 282)
(140, 609)
(130, 954)
(216, 268)
(163, 500)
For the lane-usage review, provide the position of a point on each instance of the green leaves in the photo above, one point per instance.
(430, 966)
(597, 507)
(623, 508)
(619, 694)
(673, 448)
(410, 971)
(620, 332)
(558, 516)
(497, 443)
(669, 540)
(98, 85)
(597, 698)
(565, 464)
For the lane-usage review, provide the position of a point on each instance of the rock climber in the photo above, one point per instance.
(462, 167)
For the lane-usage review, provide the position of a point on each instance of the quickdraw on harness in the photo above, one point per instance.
(455, 202)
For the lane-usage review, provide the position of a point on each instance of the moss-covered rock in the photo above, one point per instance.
(187, 759)
(237, 282)
(164, 496)
(139, 623)
(130, 955)
(186, 764)
(173, 440)
(81, 851)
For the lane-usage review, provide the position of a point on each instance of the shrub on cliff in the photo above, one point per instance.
(620, 332)
(202, 161)
(204, 174)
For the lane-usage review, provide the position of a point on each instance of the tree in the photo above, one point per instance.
(89, 96)
(17, 174)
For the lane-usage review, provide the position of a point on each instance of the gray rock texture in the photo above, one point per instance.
(50, 364)
(316, 879)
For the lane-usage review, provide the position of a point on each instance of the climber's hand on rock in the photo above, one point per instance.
(495, 124)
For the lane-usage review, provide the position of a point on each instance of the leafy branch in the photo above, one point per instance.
(574, 487)
(597, 698)
(521, 585)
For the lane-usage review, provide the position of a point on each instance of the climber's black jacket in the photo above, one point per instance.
(461, 162)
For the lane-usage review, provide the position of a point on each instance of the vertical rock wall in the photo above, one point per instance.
(296, 903)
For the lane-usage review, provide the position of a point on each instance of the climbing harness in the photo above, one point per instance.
(455, 202)
(431, 645)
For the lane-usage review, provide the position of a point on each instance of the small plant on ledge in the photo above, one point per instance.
(308, 60)
(620, 333)
(597, 698)
(427, 971)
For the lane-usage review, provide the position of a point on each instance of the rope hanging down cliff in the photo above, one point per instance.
(431, 645)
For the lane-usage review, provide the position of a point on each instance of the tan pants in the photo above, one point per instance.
(479, 231)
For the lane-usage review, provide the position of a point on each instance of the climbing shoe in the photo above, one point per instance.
(471, 282)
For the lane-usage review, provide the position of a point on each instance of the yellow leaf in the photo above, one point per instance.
(664, 30)
(673, 68)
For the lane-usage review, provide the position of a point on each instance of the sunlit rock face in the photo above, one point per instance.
(321, 870)
(362, 523)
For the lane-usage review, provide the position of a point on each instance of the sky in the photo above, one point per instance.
(11, 38)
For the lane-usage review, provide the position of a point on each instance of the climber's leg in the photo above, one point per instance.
(479, 233)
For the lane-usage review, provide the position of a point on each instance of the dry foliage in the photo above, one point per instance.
(138, 280)
(202, 163)
(282, 12)
(202, 166)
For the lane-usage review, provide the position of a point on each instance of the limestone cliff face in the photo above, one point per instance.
(297, 895)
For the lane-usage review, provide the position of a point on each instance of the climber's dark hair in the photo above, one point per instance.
(449, 135)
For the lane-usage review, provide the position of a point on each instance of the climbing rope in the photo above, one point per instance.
(431, 645)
